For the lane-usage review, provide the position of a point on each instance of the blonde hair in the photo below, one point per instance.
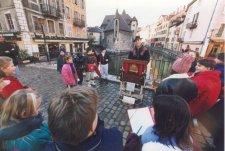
(21, 104)
(68, 57)
(5, 61)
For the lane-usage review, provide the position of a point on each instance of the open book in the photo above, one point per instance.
(140, 120)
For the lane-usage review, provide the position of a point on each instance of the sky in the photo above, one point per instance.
(146, 11)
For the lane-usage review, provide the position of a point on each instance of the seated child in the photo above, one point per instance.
(8, 69)
(75, 125)
(21, 124)
(171, 129)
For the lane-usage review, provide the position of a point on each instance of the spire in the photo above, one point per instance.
(124, 12)
(117, 14)
(134, 19)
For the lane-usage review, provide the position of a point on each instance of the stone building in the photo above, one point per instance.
(40, 26)
(95, 34)
(119, 31)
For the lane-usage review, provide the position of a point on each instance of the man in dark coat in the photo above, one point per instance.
(79, 62)
(140, 52)
(60, 61)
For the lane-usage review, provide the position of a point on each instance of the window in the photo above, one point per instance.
(36, 23)
(221, 30)
(51, 27)
(61, 29)
(76, 15)
(195, 18)
(82, 17)
(34, 1)
(67, 12)
(9, 21)
(82, 4)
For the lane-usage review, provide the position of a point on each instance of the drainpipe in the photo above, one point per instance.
(209, 25)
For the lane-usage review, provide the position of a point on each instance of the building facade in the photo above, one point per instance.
(162, 31)
(41, 26)
(175, 27)
(204, 33)
(119, 31)
(144, 33)
(95, 34)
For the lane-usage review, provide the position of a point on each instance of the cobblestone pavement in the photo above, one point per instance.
(48, 84)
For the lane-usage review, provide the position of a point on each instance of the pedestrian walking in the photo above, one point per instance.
(60, 61)
(104, 63)
(79, 62)
(69, 73)
(91, 65)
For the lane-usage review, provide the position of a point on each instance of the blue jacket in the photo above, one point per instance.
(220, 67)
(30, 134)
(103, 140)
(150, 136)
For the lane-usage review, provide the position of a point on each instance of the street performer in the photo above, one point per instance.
(140, 52)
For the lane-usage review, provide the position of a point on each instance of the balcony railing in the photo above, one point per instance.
(176, 22)
(180, 40)
(191, 25)
(51, 11)
(32, 6)
(177, 31)
(78, 22)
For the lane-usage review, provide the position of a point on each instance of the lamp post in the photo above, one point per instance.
(46, 48)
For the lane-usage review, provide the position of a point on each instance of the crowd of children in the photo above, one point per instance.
(73, 122)
(72, 67)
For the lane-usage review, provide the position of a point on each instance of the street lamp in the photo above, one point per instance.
(46, 49)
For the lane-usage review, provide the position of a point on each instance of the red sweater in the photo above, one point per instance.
(209, 85)
(12, 87)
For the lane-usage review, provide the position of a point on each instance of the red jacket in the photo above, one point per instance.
(12, 87)
(209, 85)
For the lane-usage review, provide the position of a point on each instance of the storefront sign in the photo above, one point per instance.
(9, 36)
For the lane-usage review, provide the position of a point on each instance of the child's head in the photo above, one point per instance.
(220, 58)
(184, 88)
(20, 105)
(172, 117)
(205, 65)
(68, 59)
(73, 117)
(6, 65)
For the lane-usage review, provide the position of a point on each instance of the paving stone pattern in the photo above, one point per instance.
(48, 84)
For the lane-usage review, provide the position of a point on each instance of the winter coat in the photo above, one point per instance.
(69, 78)
(209, 86)
(103, 140)
(12, 87)
(151, 141)
(103, 59)
(139, 54)
(60, 63)
(79, 62)
(220, 67)
(29, 134)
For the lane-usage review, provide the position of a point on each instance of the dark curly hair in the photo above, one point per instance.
(172, 117)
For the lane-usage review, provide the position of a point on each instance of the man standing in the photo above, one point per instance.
(60, 61)
(140, 52)
(104, 60)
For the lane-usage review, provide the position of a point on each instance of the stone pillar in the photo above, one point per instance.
(22, 22)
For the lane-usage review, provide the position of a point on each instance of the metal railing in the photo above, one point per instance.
(79, 22)
(50, 11)
(160, 62)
